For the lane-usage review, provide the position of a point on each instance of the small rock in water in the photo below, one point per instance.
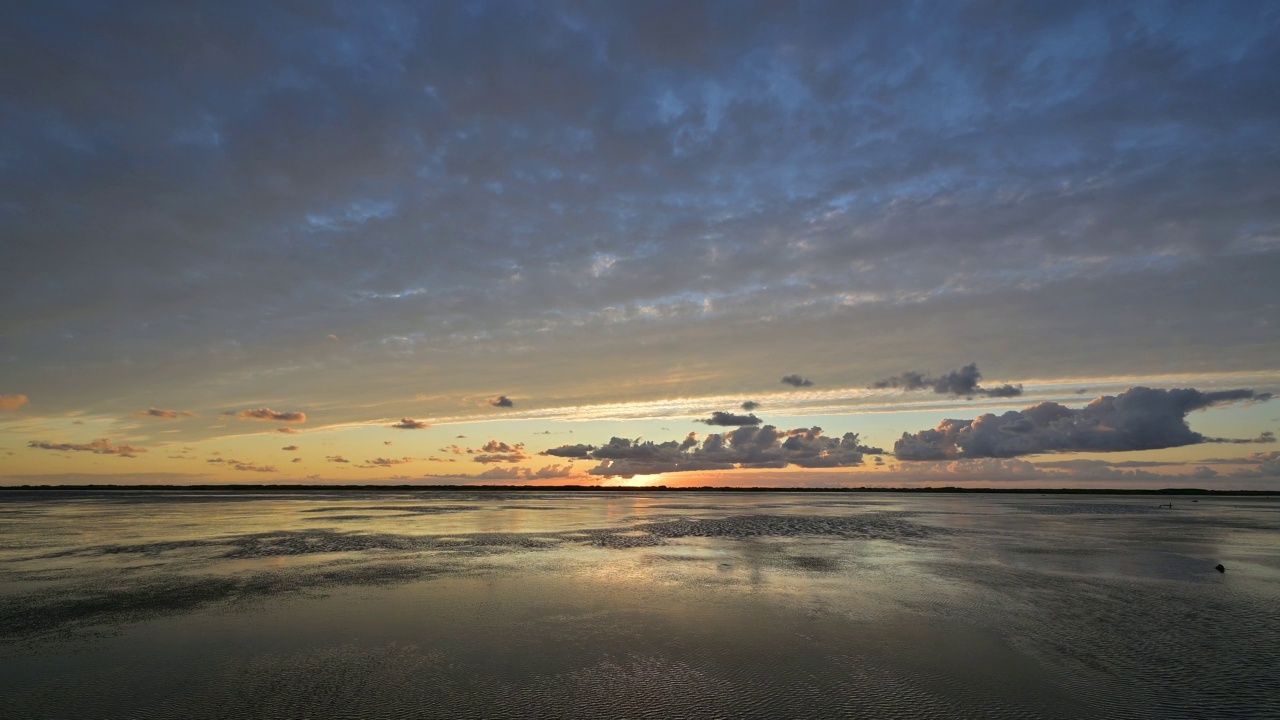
(1219, 568)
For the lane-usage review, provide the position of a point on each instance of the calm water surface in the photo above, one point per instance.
(664, 605)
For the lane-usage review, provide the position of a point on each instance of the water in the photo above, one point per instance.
(664, 605)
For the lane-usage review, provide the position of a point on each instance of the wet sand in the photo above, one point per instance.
(418, 604)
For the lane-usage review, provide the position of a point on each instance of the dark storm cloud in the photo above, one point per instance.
(957, 383)
(420, 177)
(101, 446)
(745, 447)
(410, 424)
(730, 420)
(796, 381)
(501, 401)
(1138, 419)
(272, 415)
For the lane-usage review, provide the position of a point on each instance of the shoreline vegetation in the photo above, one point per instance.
(643, 489)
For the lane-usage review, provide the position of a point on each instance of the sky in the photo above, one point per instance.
(677, 243)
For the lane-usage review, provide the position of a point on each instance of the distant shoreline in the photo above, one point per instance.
(945, 490)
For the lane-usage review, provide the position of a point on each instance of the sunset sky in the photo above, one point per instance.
(676, 243)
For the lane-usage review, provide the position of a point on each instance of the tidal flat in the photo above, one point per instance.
(282, 604)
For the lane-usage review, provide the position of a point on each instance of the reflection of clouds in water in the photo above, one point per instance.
(787, 605)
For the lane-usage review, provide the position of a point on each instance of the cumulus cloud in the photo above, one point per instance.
(244, 465)
(749, 405)
(730, 420)
(297, 460)
(957, 383)
(796, 381)
(290, 448)
(745, 447)
(336, 459)
(12, 402)
(101, 446)
(519, 473)
(501, 401)
(569, 451)
(499, 452)
(1140, 418)
(272, 415)
(515, 473)
(410, 424)
(386, 462)
(167, 414)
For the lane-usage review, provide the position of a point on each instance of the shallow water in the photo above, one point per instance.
(665, 605)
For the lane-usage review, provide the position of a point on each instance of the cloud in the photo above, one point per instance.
(516, 473)
(255, 468)
(1263, 438)
(336, 459)
(287, 431)
(290, 448)
(410, 424)
(569, 451)
(167, 414)
(12, 402)
(797, 381)
(745, 447)
(749, 405)
(101, 446)
(386, 462)
(1132, 193)
(297, 460)
(331, 336)
(730, 420)
(957, 383)
(272, 415)
(499, 452)
(501, 401)
(245, 465)
(1140, 418)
